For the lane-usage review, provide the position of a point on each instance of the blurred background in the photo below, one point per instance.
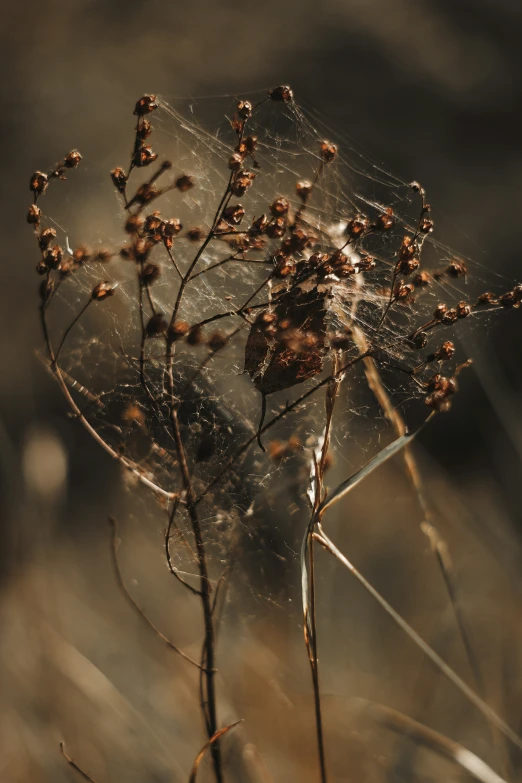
(435, 92)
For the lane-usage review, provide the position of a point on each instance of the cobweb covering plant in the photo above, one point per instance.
(264, 277)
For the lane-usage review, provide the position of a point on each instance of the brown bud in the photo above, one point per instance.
(195, 234)
(150, 273)
(446, 350)
(38, 183)
(508, 300)
(328, 151)
(235, 162)
(420, 340)
(385, 221)
(403, 291)
(195, 335)
(279, 207)
(517, 293)
(145, 193)
(178, 330)
(172, 227)
(421, 280)
(184, 183)
(487, 298)
(134, 224)
(216, 341)
(34, 214)
(102, 291)
(157, 326)
(102, 255)
(234, 214)
(304, 190)
(244, 109)
(53, 257)
(456, 269)
(119, 179)
(72, 160)
(357, 226)
(449, 317)
(41, 268)
(276, 228)
(426, 226)
(283, 93)
(144, 156)
(145, 105)
(46, 237)
(439, 311)
(463, 310)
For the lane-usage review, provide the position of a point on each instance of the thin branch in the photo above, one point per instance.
(207, 745)
(139, 611)
(74, 765)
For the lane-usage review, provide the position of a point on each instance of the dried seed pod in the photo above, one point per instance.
(145, 105)
(283, 93)
(195, 234)
(38, 183)
(508, 300)
(304, 190)
(456, 269)
(439, 312)
(446, 351)
(144, 156)
(195, 335)
(133, 224)
(487, 299)
(403, 291)
(235, 161)
(328, 151)
(46, 237)
(233, 215)
(150, 273)
(102, 291)
(172, 227)
(463, 310)
(34, 214)
(244, 109)
(259, 225)
(216, 341)
(53, 257)
(276, 228)
(385, 221)
(72, 160)
(365, 264)
(449, 317)
(517, 293)
(153, 223)
(420, 340)
(184, 183)
(145, 193)
(357, 226)
(426, 226)
(279, 207)
(156, 326)
(408, 265)
(178, 330)
(421, 280)
(242, 182)
(119, 179)
(41, 268)
(102, 255)
(300, 347)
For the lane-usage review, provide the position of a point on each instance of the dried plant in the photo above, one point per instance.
(231, 321)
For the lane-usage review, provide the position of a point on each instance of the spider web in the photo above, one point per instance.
(255, 498)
